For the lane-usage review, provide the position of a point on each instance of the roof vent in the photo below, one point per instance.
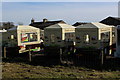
(45, 20)
(32, 20)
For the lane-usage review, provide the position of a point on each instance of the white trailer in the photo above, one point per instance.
(59, 34)
(24, 37)
(117, 54)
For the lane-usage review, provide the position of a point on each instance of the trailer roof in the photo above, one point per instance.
(61, 25)
(94, 25)
(21, 27)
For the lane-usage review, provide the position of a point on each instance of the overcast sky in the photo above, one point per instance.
(70, 12)
(59, 0)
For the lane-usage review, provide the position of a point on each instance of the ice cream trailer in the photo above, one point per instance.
(59, 34)
(117, 54)
(94, 35)
(22, 37)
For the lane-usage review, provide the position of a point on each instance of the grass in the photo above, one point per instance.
(24, 70)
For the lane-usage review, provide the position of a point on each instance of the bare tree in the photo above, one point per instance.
(20, 23)
(6, 25)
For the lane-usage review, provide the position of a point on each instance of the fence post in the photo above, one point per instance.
(30, 56)
(60, 55)
(5, 52)
(102, 58)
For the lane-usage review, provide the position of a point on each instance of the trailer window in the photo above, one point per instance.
(33, 37)
(94, 38)
(52, 38)
(105, 36)
(78, 37)
(12, 36)
(86, 38)
(69, 36)
(28, 37)
(24, 37)
(113, 33)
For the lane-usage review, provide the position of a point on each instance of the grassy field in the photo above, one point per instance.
(24, 70)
